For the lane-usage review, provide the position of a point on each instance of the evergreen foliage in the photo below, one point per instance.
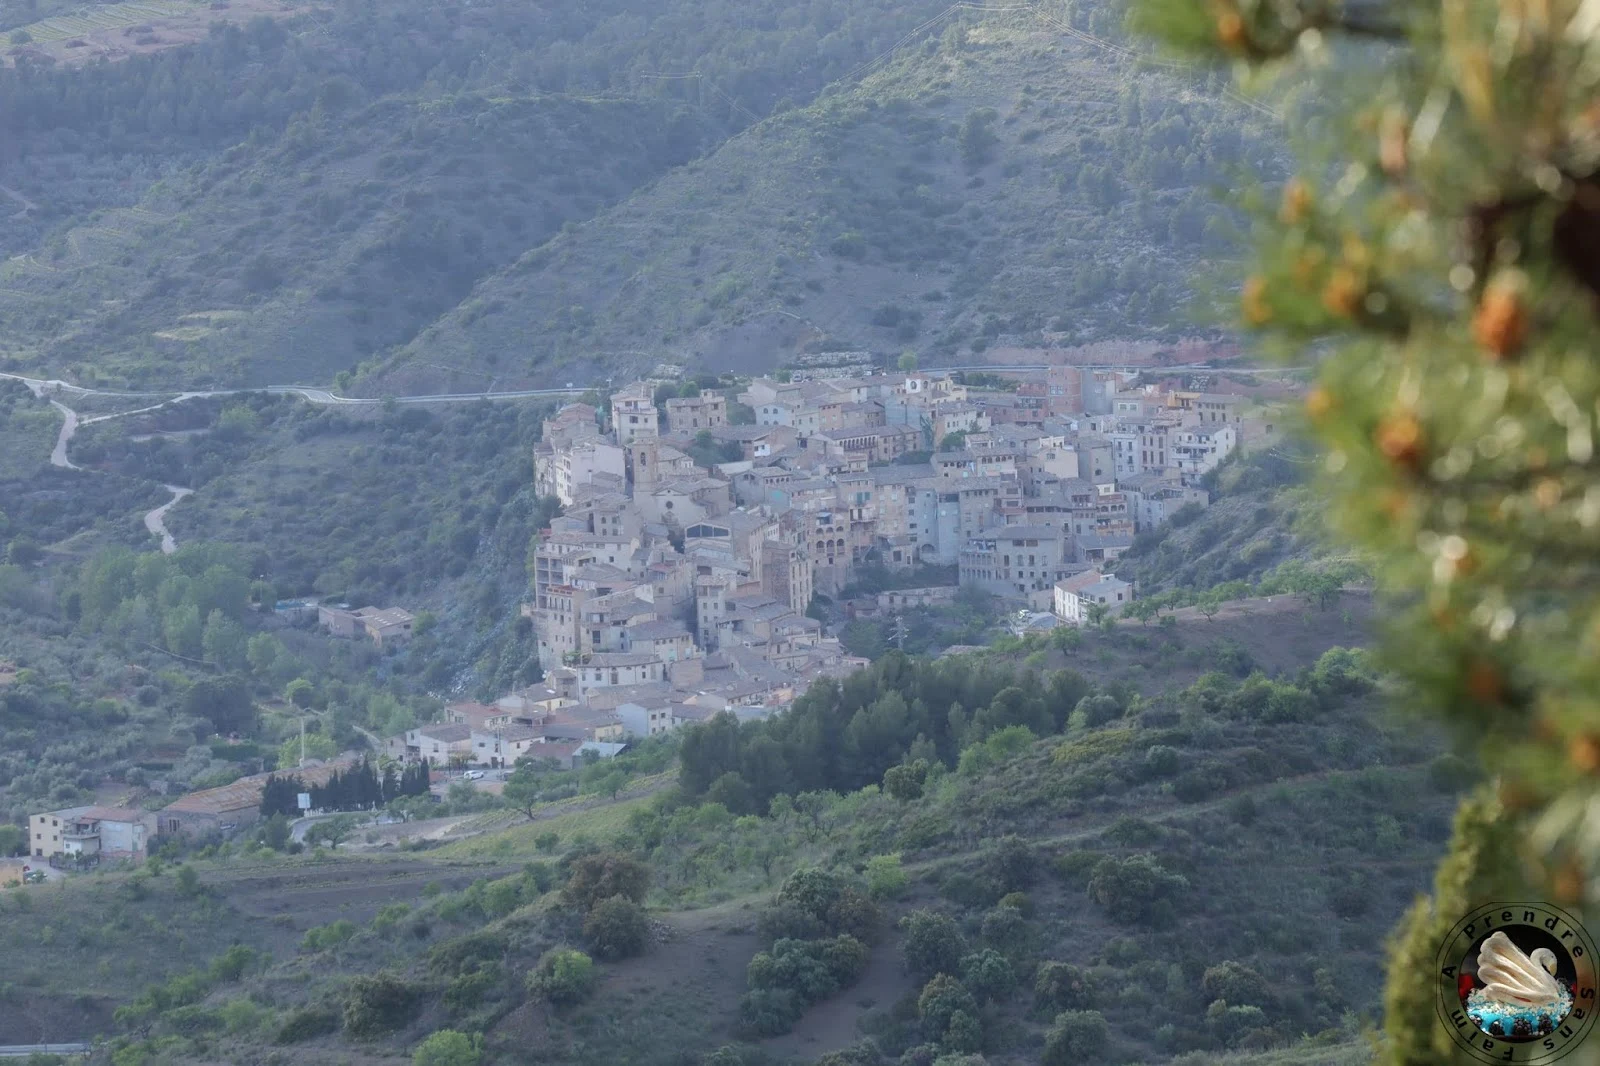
(880, 713)
(1450, 261)
(358, 788)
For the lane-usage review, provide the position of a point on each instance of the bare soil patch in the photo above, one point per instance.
(30, 1018)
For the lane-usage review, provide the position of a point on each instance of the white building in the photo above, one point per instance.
(1201, 449)
(609, 669)
(436, 745)
(1073, 598)
(575, 466)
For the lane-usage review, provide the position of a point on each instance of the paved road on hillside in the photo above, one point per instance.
(22, 1051)
(310, 393)
(155, 520)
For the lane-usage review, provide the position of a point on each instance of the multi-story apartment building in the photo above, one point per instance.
(634, 414)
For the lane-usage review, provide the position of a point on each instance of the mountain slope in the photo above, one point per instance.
(293, 261)
(233, 175)
(997, 183)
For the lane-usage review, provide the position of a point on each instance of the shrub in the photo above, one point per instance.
(1006, 929)
(988, 974)
(1013, 863)
(467, 991)
(1198, 784)
(323, 937)
(1077, 1036)
(941, 1000)
(1076, 867)
(448, 1048)
(788, 920)
(886, 878)
(1236, 983)
(307, 1023)
(1135, 889)
(617, 929)
(1019, 902)
(603, 876)
(240, 1016)
(467, 953)
(964, 1033)
(389, 916)
(232, 964)
(1062, 986)
(1094, 711)
(768, 1012)
(812, 970)
(828, 900)
(1129, 831)
(1161, 760)
(1001, 745)
(377, 1004)
(563, 977)
(933, 944)
(907, 781)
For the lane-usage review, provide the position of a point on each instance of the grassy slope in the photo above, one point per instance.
(292, 260)
(1321, 791)
(736, 256)
(1262, 514)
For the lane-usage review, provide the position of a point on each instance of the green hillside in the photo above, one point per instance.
(1096, 882)
(990, 185)
(285, 198)
(293, 260)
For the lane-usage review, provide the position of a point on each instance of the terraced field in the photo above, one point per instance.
(110, 17)
(118, 30)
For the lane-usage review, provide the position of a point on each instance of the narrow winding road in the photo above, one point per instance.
(58, 457)
(27, 204)
(156, 520)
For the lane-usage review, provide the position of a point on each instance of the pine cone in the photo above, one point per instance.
(1501, 322)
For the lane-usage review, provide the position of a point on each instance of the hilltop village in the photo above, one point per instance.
(696, 527)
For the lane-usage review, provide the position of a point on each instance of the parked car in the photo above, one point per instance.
(472, 775)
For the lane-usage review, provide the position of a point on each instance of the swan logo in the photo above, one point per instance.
(1517, 983)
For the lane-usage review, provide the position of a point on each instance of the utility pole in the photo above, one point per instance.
(302, 765)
